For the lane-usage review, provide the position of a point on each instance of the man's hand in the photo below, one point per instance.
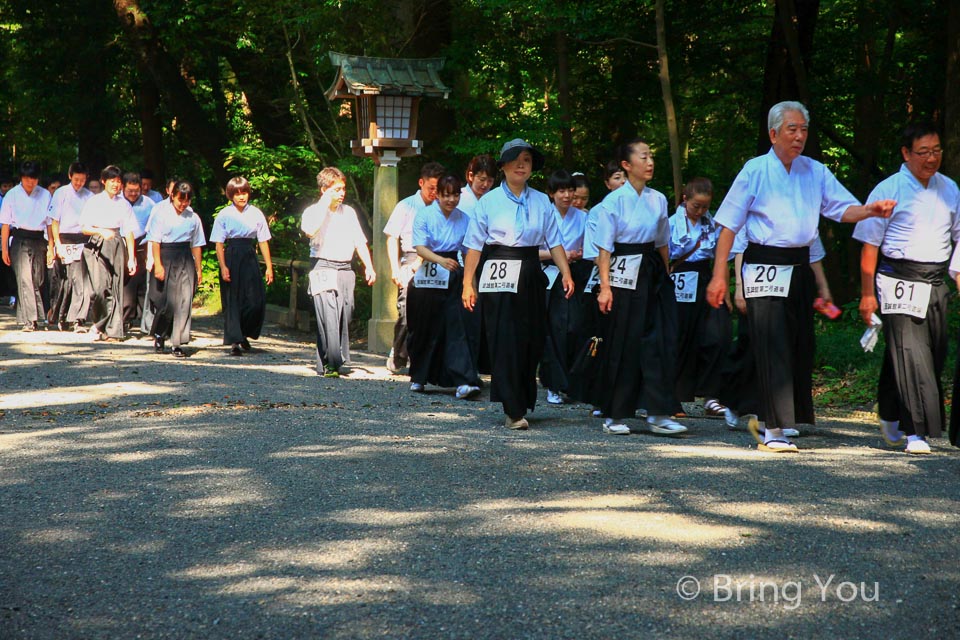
(880, 208)
(868, 305)
(450, 265)
(605, 299)
(106, 234)
(158, 271)
(225, 274)
(716, 291)
(132, 265)
(371, 276)
(268, 275)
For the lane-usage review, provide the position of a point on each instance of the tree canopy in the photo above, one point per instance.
(205, 89)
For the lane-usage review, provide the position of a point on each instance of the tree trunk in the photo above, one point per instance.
(207, 138)
(151, 127)
(788, 57)
(269, 110)
(672, 131)
(563, 93)
(951, 116)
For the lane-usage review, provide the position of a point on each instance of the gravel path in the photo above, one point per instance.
(219, 497)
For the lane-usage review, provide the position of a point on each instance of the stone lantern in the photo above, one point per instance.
(386, 94)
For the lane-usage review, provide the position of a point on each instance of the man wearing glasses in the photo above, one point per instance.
(903, 265)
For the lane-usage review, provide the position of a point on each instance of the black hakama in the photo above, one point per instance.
(244, 298)
(782, 339)
(73, 301)
(172, 297)
(399, 349)
(135, 286)
(738, 390)
(640, 345)
(703, 340)
(334, 309)
(105, 261)
(586, 375)
(515, 327)
(438, 340)
(28, 257)
(564, 321)
(910, 388)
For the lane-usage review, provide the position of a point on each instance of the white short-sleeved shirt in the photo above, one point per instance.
(630, 217)
(109, 213)
(589, 233)
(232, 223)
(141, 211)
(24, 211)
(168, 226)
(433, 230)
(923, 223)
(780, 208)
(468, 200)
(66, 206)
(685, 234)
(500, 220)
(333, 236)
(571, 227)
(400, 224)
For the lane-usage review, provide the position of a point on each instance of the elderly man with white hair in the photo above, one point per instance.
(779, 197)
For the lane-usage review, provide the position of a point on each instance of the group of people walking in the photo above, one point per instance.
(625, 306)
(628, 308)
(126, 254)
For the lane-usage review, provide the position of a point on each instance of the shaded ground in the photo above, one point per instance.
(220, 497)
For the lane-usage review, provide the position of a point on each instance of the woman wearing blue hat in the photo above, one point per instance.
(508, 226)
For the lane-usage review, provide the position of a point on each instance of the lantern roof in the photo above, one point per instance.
(362, 75)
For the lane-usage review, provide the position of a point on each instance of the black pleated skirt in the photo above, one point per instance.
(704, 336)
(640, 344)
(514, 326)
(172, 297)
(244, 297)
(438, 340)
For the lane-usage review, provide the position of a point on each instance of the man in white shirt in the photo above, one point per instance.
(23, 215)
(108, 220)
(779, 198)
(902, 265)
(135, 286)
(66, 206)
(404, 260)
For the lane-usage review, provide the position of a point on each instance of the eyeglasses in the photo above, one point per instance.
(926, 153)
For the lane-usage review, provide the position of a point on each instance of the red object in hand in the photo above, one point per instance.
(828, 309)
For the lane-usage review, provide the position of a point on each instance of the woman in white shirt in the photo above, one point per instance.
(237, 231)
(176, 240)
(503, 240)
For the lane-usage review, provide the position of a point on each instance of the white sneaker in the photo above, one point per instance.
(918, 447)
(730, 417)
(416, 387)
(665, 426)
(553, 397)
(466, 391)
(616, 429)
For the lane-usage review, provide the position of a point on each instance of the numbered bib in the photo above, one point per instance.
(903, 296)
(551, 271)
(322, 280)
(624, 271)
(594, 278)
(767, 280)
(500, 276)
(685, 285)
(430, 275)
(72, 253)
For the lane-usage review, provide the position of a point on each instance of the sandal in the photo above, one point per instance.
(778, 445)
(713, 409)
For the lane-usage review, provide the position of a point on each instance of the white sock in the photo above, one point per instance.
(773, 434)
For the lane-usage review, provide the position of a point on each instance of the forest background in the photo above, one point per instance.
(208, 89)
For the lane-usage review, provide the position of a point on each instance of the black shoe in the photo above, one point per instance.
(158, 344)
(178, 353)
(245, 344)
(235, 350)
